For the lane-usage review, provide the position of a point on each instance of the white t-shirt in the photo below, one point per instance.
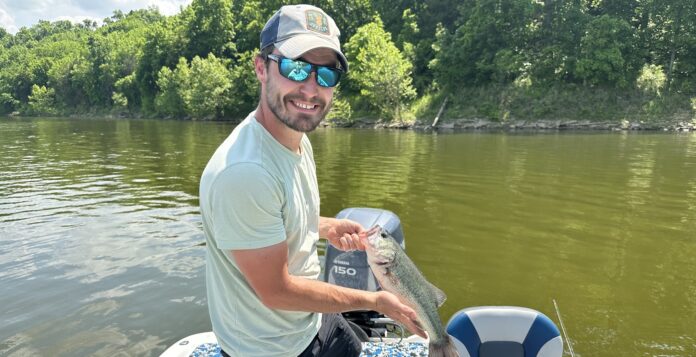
(255, 193)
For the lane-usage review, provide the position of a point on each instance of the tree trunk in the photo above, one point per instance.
(439, 112)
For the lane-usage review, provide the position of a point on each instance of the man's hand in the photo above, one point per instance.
(341, 233)
(390, 305)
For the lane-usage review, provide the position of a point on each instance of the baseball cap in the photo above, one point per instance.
(296, 29)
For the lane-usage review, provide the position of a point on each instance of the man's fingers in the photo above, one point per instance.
(357, 243)
(344, 243)
(413, 326)
(350, 242)
(412, 323)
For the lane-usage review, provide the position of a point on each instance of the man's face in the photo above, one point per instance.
(300, 105)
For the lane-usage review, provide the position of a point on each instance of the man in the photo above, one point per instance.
(260, 206)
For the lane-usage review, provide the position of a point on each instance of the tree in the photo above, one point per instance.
(244, 91)
(651, 79)
(674, 37)
(211, 29)
(164, 44)
(380, 70)
(42, 101)
(69, 73)
(555, 47)
(209, 88)
(169, 100)
(606, 56)
(43, 29)
(5, 38)
(201, 89)
(490, 46)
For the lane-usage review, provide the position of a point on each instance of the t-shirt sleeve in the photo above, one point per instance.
(246, 208)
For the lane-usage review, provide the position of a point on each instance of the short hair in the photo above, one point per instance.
(265, 52)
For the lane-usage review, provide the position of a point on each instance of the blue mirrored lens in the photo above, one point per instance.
(327, 77)
(299, 71)
(295, 70)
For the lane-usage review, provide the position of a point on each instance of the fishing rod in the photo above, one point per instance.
(560, 320)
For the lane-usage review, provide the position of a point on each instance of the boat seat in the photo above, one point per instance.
(504, 331)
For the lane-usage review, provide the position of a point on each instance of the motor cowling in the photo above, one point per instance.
(350, 269)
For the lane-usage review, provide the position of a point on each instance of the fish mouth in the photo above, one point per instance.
(373, 234)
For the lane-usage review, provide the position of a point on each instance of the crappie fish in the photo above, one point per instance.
(397, 274)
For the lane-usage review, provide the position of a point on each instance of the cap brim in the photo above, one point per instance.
(296, 46)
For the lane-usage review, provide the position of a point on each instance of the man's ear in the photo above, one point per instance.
(260, 68)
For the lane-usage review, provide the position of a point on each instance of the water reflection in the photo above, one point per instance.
(691, 191)
(99, 224)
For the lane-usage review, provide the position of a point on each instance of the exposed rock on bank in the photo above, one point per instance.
(483, 124)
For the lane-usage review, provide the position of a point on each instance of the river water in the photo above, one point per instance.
(102, 245)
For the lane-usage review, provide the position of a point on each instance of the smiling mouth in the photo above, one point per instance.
(304, 105)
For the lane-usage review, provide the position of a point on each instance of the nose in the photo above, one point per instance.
(310, 87)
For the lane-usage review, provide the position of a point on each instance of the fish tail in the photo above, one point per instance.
(444, 348)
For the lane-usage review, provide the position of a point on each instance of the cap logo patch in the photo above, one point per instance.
(317, 22)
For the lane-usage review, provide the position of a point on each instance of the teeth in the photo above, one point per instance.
(304, 106)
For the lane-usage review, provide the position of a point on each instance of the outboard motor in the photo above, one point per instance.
(351, 270)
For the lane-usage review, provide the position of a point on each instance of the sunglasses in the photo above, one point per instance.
(299, 71)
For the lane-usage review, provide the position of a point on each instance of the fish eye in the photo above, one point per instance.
(384, 235)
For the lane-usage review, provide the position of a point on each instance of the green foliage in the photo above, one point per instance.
(132, 63)
(7, 103)
(120, 101)
(488, 47)
(409, 32)
(211, 29)
(606, 57)
(244, 90)
(200, 89)
(114, 52)
(555, 45)
(41, 101)
(164, 44)
(172, 84)
(652, 79)
(251, 16)
(5, 38)
(126, 92)
(380, 70)
(69, 71)
(341, 112)
(209, 88)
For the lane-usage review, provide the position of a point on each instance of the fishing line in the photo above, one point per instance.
(560, 320)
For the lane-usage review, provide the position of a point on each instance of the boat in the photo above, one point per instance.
(481, 331)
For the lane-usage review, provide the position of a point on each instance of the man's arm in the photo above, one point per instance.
(266, 270)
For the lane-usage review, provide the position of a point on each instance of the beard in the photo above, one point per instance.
(299, 122)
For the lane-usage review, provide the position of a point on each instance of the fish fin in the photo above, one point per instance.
(442, 349)
(440, 296)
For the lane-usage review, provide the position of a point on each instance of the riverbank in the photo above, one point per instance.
(501, 108)
(559, 107)
(675, 125)
(483, 124)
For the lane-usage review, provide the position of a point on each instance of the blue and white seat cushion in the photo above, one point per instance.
(494, 331)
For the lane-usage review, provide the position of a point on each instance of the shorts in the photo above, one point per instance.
(335, 339)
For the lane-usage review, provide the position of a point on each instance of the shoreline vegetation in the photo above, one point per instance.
(525, 109)
(478, 64)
